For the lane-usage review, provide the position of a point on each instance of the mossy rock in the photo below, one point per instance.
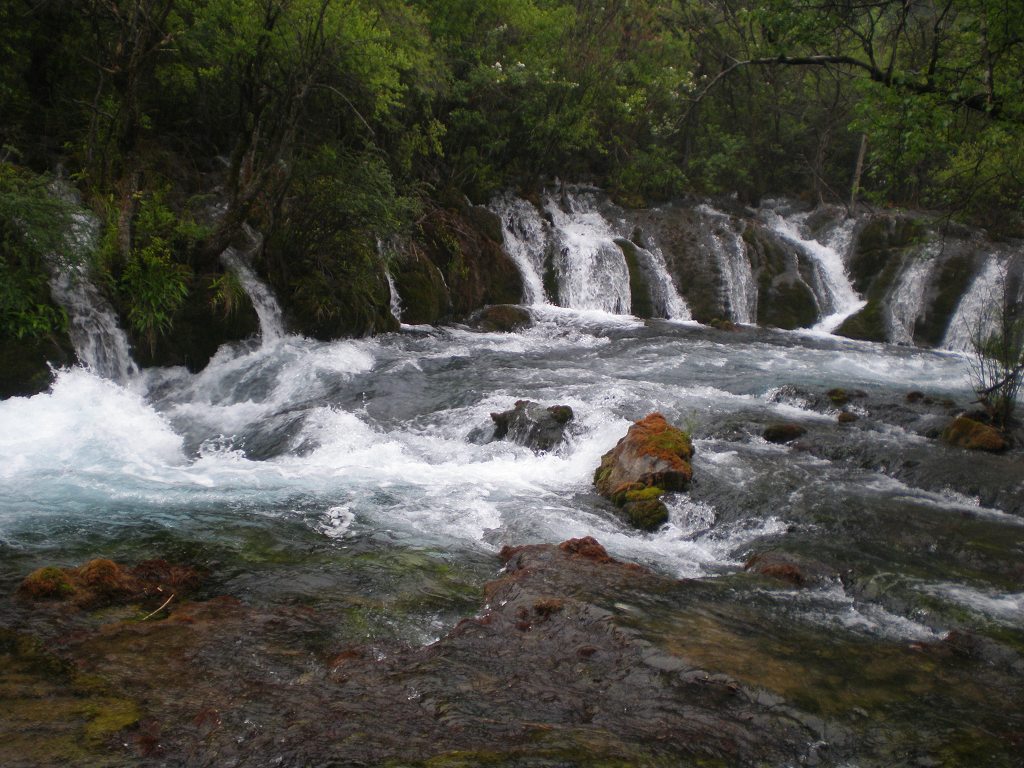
(200, 326)
(425, 299)
(951, 282)
(639, 287)
(878, 243)
(647, 515)
(652, 458)
(974, 436)
(25, 363)
(786, 304)
(868, 324)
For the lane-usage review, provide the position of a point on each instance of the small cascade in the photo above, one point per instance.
(665, 299)
(908, 296)
(975, 316)
(591, 269)
(98, 339)
(836, 296)
(730, 252)
(396, 300)
(526, 239)
(263, 300)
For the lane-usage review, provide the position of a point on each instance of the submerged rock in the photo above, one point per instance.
(104, 582)
(783, 432)
(653, 457)
(501, 318)
(532, 425)
(787, 567)
(967, 433)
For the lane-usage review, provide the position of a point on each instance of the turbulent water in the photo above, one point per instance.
(288, 464)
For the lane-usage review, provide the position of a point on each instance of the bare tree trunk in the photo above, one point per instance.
(858, 170)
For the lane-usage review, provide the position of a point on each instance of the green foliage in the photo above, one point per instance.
(153, 282)
(33, 225)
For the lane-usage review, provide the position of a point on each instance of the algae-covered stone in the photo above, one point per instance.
(974, 436)
(653, 457)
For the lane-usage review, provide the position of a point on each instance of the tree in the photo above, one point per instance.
(997, 353)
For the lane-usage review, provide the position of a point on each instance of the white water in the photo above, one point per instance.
(665, 299)
(579, 245)
(730, 253)
(907, 298)
(263, 300)
(526, 237)
(836, 294)
(591, 269)
(394, 300)
(98, 340)
(977, 313)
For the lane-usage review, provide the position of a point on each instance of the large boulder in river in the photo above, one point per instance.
(533, 425)
(973, 435)
(653, 458)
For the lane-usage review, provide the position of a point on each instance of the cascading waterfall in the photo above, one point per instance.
(737, 277)
(526, 239)
(665, 299)
(98, 339)
(395, 300)
(836, 296)
(578, 246)
(591, 269)
(908, 296)
(263, 300)
(975, 316)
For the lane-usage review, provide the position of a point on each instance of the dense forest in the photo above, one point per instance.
(330, 127)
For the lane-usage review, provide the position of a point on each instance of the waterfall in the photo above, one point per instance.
(525, 236)
(908, 296)
(263, 300)
(976, 315)
(98, 339)
(591, 269)
(730, 252)
(665, 299)
(396, 300)
(836, 296)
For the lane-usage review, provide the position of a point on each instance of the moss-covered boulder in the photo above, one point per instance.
(475, 268)
(653, 458)
(25, 364)
(964, 432)
(639, 287)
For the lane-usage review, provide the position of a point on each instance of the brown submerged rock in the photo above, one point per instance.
(104, 582)
(783, 432)
(501, 318)
(974, 436)
(653, 458)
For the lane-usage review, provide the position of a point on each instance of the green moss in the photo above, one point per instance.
(786, 304)
(671, 441)
(645, 494)
(868, 324)
(108, 716)
(952, 281)
(648, 515)
(639, 289)
(49, 582)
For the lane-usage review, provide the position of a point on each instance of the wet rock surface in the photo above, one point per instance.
(653, 458)
(533, 425)
(501, 318)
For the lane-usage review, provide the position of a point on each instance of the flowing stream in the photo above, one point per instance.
(290, 468)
